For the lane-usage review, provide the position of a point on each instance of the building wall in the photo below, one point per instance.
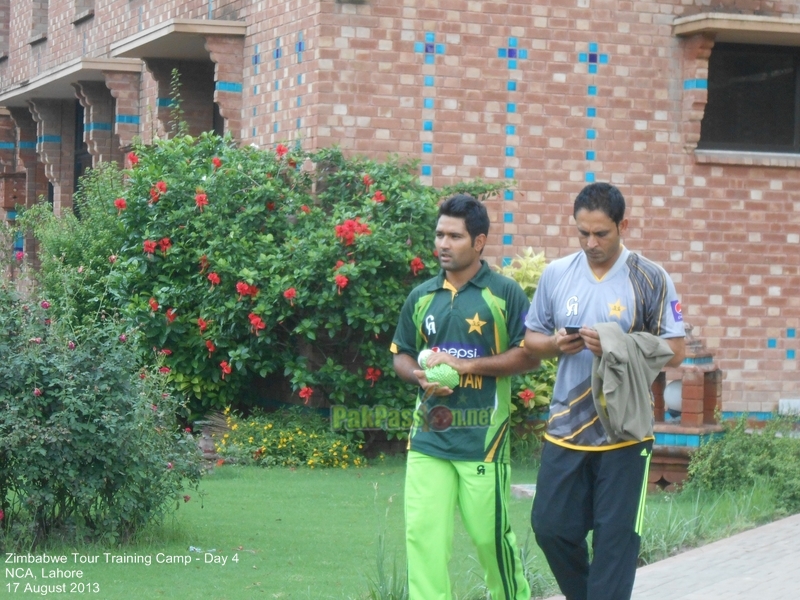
(434, 80)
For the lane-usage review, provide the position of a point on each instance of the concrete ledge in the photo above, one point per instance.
(177, 39)
(748, 159)
(745, 29)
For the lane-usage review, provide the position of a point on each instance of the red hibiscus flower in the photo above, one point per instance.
(203, 263)
(133, 159)
(120, 205)
(368, 181)
(112, 259)
(305, 209)
(256, 323)
(305, 393)
(245, 289)
(202, 324)
(417, 265)
(373, 375)
(348, 230)
(164, 370)
(201, 200)
(19, 255)
(44, 304)
(281, 150)
(153, 304)
(290, 294)
(216, 162)
(161, 186)
(149, 246)
(214, 279)
(226, 368)
(37, 392)
(379, 197)
(154, 195)
(164, 244)
(270, 206)
(526, 396)
(165, 351)
(171, 314)
(341, 282)
(211, 347)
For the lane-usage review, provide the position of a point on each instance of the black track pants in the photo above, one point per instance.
(580, 491)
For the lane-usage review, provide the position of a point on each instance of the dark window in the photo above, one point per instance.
(83, 160)
(218, 123)
(753, 99)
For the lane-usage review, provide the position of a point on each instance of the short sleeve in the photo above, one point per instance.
(405, 336)
(540, 314)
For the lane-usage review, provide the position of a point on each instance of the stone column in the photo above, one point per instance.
(27, 159)
(125, 89)
(55, 145)
(98, 104)
(8, 142)
(227, 53)
(696, 51)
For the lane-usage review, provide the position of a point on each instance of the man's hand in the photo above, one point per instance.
(571, 343)
(591, 339)
(438, 358)
(430, 388)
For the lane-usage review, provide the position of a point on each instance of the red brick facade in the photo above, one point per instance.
(551, 94)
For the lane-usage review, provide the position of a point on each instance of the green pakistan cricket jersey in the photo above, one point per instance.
(483, 318)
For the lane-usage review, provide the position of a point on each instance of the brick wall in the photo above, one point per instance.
(550, 94)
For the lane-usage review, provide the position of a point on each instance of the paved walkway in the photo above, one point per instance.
(760, 564)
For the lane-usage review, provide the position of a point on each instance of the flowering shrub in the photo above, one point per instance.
(285, 438)
(295, 274)
(87, 443)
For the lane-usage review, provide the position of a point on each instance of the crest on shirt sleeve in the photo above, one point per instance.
(676, 310)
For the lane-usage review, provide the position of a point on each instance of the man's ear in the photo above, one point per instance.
(623, 226)
(479, 243)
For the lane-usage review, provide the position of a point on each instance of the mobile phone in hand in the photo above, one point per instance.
(571, 330)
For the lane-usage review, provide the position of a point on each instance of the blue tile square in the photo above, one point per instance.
(604, 59)
(512, 42)
(791, 332)
(419, 47)
(593, 47)
(511, 130)
(255, 90)
(511, 107)
(590, 155)
(277, 85)
(512, 53)
(275, 128)
(430, 36)
(523, 53)
(508, 239)
(702, 84)
(299, 80)
(593, 69)
(426, 170)
(508, 194)
(790, 354)
(253, 133)
(427, 147)
(277, 53)
(506, 261)
(429, 48)
(589, 177)
(299, 101)
(508, 217)
(275, 106)
(502, 53)
(427, 103)
(255, 111)
(592, 57)
(592, 91)
(772, 343)
(299, 122)
(509, 173)
(512, 63)
(256, 59)
(301, 46)
(511, 86)
(591, 134)
(591, 111)
(429, 59)
(689, 84)
(509, 150)
(583, 57)
(428, 80)
(427, 126)
(439, 48)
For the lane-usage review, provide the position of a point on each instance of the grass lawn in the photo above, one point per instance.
(296, 534)
(313, 534)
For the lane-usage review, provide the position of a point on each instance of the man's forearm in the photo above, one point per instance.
(511, 362)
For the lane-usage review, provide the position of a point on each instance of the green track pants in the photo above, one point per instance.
(434, 487)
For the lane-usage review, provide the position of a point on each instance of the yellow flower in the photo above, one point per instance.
(226, 436)
(227, 409)
(250, 439)
(234, 427)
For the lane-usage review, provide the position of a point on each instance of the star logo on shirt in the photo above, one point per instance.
(475, 324)
(615, 309)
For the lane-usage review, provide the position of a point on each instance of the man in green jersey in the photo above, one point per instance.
(459, 442)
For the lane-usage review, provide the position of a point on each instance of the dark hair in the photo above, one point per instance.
(601, 196)
(464, 206)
